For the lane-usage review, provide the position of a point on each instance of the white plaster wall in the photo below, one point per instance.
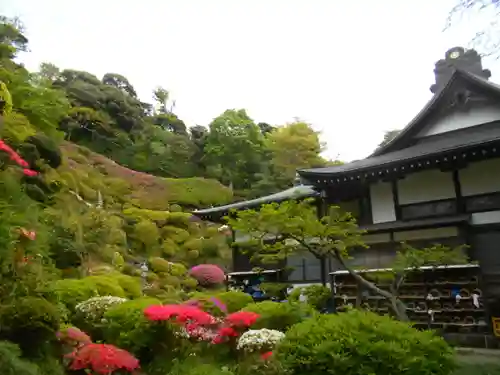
(382, 202)
(480, 177)
(461, 120)
(484, 218)
(426, 186)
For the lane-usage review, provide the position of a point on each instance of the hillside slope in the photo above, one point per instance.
(87, 173)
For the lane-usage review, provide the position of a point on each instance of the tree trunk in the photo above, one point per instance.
(398, 307)
(324, 276)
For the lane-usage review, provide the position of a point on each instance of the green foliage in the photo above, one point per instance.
(317, 295)
(30, 322)
(127, 327)
(297, 223)
(279, 315)
(72, 292)
(6, 99)
(11, 362)
(235, 300)
(197, 366)
(363, 343)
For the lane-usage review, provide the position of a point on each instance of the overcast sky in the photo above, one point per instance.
(353, 69)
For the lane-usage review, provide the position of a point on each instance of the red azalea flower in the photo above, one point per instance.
(228, 332)
(29, 172)
(242, 318)
(182, 314)
(102, 359)
(266, 355)
(29, 234)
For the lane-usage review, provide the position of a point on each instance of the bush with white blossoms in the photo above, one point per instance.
(259, 340)
(94, 308)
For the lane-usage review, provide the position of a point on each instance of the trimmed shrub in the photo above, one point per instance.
(132, 286)
(279, 315)
(106, 286)
(363, 343)
(159, 265)
(317, 295)
(71, 292)
(208, 275)
(234, 300)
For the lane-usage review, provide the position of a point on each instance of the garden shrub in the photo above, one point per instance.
(363, 343)
(132, 286)
(235, 300)
(31, 322)
(106, 286)
(208, 275)
(11, 362)
(126, 326)
(71, 292)
(279, 315)
(158, 265)
(317, 295)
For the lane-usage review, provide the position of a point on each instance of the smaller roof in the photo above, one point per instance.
(296, 192)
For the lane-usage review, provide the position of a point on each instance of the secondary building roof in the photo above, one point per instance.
(296, 192)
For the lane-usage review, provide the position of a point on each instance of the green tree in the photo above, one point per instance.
(120, 82)
(293, 146)
(296, 227)
(233, 148)
(12, 38)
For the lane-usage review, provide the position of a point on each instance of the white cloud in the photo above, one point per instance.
(353, 69)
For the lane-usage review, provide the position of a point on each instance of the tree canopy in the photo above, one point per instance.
(279, 230)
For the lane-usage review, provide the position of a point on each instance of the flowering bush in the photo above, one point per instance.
(201, 326)
(259, 340)
(94, 308)
(208, 274)
(102, 359)
(15, 157)
(73, 337)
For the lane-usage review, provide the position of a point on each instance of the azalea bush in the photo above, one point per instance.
(199, 325)
(102, 359)
(93, 309)
(208, 275)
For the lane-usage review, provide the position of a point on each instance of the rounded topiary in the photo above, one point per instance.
(159, 265)
(234, 300)
(362, 343)
(279, 315)
(208, 275)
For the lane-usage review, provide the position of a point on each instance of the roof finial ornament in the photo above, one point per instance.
(458, 58)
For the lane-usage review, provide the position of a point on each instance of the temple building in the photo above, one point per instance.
(437, 181)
